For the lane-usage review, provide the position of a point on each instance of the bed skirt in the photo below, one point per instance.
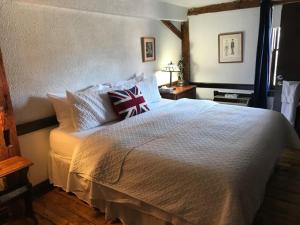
(115, 205)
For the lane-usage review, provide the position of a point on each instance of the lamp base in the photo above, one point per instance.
(180, 83)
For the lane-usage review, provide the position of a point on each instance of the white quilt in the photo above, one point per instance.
(206, 163)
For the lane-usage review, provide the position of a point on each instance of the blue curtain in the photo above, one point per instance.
(263, 57)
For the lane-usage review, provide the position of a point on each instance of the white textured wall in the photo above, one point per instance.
(50, 49)
(35, 146)
(204, 30)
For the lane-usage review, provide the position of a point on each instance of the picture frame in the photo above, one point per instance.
(148, 49)
(231, 47)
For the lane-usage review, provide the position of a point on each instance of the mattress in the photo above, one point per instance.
(64, 141)
(114, 204)
(186, 155)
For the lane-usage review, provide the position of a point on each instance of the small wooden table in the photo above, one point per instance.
(13, 171)
(188, 91)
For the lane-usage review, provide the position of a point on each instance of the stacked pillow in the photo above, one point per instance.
(128, 102)
(147, 85)
(92, 107)
(63, 108)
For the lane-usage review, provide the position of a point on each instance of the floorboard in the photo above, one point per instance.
(281, 205)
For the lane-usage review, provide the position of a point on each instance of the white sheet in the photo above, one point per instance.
(64, 141)
(206, 163)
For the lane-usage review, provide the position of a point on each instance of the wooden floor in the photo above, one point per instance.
(281, 205)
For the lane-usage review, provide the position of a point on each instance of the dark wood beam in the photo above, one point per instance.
(224, 7)
(26, 128)
(283, 2)
(242, 4)
(224, 86)
(172, 27)
(186, 50)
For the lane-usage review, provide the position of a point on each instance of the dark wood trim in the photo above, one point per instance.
(243, 4)
(36, 125)
(185, 45)
(41, 188)
(224, 86)
(172, 27)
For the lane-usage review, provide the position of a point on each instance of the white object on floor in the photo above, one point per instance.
(290, 99)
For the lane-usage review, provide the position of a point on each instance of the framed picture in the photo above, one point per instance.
(231, 47)
(148, 49)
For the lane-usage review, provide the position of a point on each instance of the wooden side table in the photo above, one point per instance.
(188, 91)
(13, 172)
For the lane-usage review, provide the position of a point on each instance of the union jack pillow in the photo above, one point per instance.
(128, 103)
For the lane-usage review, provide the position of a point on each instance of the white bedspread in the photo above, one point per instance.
(207, 163)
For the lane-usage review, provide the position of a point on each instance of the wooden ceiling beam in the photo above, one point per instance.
(223, 7)
(241, 4)
(283, 2)
(172, 27)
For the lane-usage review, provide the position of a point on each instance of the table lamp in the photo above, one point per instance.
(171, 68)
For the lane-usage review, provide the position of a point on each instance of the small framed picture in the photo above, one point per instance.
(148, 49)
(231, 47)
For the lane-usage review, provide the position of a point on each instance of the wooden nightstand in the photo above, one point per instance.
(188, 91)
(15, 184)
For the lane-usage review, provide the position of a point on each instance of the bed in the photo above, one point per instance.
(184, 162)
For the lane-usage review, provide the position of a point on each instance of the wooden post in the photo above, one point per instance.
(186, 50)
(10, 147)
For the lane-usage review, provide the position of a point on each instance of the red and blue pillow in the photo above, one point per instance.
(128, 103)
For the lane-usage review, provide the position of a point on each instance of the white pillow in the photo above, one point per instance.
(149, 89)
(62, 107)
(139, 78)
(90, 109)
(127, 84)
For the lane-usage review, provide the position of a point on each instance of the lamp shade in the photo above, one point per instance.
(171, 68)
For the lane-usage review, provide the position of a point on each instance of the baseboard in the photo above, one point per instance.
(41, 188)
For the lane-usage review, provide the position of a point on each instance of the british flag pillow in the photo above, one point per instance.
(128, 103)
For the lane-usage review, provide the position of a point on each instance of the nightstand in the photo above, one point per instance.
(188, 91)
(15, 185)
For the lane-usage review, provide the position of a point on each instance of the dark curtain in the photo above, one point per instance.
(261, 85)
(288, 59)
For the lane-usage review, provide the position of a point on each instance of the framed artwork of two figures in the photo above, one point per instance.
(231, 47)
